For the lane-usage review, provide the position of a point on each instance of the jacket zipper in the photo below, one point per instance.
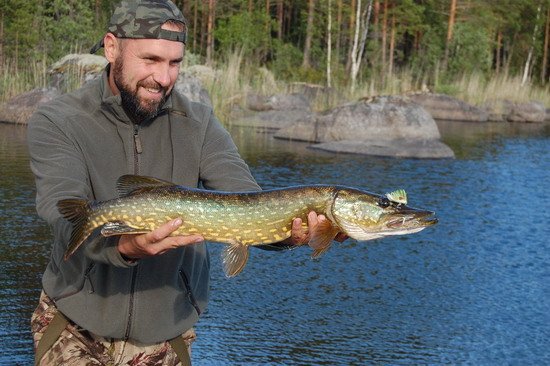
(190, 296)
(138, 149)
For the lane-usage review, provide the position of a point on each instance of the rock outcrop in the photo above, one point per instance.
(20, 108)
(275, 112)
(388, 126)
(445, 107)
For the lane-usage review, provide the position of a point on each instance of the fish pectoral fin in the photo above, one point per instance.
(234, 258)
(118, 228)
(322, 237)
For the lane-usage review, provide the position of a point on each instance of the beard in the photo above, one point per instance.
(139, 110)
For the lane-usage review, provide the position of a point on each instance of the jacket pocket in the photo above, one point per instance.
(189, 294)
(85, 279)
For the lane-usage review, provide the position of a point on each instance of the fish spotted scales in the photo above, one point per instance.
(262, 219)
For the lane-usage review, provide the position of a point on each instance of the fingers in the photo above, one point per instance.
(156, 242)
(161, 232)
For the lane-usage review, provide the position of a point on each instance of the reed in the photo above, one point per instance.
(235, 77)
(15, 80)
(476, 89)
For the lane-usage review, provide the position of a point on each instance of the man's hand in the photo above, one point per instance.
(156, 242)
(300, 236)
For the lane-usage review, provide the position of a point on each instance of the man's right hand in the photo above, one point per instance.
(156, 242)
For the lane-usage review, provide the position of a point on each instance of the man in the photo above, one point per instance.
(129, 298)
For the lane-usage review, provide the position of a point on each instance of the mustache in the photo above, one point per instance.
(152, 85)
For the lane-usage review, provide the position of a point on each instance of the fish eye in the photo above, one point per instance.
(383, 202)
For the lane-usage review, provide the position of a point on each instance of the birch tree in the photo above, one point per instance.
(361, 26)
(528, 62)
(544, 65)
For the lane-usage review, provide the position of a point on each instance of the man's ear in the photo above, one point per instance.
(111, 46)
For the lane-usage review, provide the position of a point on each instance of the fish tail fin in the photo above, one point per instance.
(322, 237)
(77, 211)
(234, 258)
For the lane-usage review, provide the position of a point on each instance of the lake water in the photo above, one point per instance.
(474, 289)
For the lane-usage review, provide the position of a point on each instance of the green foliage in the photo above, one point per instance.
(245, 31)
(287, 61)
(35, 28)
(68, 25)
(38, 32)
(470, 51)
(21, 28)
(432, 49)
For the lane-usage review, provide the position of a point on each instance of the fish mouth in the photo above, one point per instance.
(413, 219)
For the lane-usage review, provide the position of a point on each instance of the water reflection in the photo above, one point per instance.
(473, 289)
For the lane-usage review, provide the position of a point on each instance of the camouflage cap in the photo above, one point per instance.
(143, 19)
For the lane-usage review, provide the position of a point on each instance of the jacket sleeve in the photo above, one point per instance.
(221, 166)
(60, 173)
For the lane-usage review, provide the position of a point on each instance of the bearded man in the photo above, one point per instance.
(128, 299)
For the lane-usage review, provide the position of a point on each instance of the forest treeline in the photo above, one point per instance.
(335, 42)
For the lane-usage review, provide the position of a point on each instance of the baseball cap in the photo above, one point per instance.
(143, 19)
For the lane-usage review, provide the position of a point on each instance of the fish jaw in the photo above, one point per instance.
(366, 216)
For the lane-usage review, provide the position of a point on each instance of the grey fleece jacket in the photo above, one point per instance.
(79, 145)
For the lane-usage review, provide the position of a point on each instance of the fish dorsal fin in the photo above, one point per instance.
(322, 237)
(234, 258)
(128, 184)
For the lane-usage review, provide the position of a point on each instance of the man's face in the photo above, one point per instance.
(144, 72)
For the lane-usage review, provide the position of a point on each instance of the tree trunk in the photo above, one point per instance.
(392, 46)
(361, 23)
(186, 10)
(376, 29)
(339, 30)
(450, 27)
(329, 44)
(2, 41)
(268, 13)
(280, 18)
(508, 57)
(210, 31)
(498, 57)
(309, 34)
(97, 11)
(203, 26)
(195, 23)
(528, 62)
(544, 66)
(384, 40)
(351, 29)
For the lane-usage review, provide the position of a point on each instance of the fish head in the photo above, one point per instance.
(365, 216)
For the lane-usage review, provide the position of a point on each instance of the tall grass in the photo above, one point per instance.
(475, 89)
(16, 80)
(235, 77)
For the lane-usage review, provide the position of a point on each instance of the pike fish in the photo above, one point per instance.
(243, 219)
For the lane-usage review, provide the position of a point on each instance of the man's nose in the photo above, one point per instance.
(162, 75)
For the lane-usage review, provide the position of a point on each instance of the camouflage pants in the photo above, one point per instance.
(77, 346)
